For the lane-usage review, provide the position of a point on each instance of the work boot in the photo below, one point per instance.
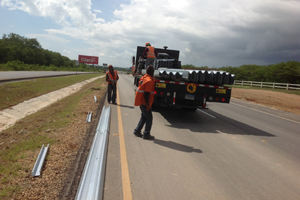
(148, 137)
(137, 134)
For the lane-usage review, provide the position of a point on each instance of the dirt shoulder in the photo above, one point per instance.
(277, 100)
(63, 125)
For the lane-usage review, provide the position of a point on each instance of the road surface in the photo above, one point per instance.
(228, 151)
(19, 75)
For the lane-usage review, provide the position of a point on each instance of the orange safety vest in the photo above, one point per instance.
(146, 84)
(111, 78)
(150, 53)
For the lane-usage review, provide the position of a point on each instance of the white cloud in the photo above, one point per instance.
(208, 32)
(97, 11)
(49, 37)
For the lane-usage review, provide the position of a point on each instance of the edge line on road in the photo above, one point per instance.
(206, 113)
(266, 113)
(127, 194)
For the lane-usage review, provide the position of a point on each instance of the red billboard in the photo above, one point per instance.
(88, 59)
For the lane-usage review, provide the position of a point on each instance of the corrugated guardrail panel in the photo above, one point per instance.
(92, 179)
(37, 169)
(195, 76)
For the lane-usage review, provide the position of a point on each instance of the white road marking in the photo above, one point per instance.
(266, 113)
(206, 113)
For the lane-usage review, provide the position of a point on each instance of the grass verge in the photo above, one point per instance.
(21, 143)
(17, 92)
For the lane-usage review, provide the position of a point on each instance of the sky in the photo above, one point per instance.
(213, 33)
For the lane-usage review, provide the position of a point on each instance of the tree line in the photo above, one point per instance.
(19, 53)
(284, 72)
(15, 47)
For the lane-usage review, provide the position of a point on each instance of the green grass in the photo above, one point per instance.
(55, 117)
(13, 154)
(9, 190)
(17, 92)
(297, 92)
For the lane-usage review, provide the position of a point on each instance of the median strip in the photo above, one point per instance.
(10, 116)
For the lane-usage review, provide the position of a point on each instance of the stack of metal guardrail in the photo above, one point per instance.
(195, 76)
(163, 63)
(166, 63)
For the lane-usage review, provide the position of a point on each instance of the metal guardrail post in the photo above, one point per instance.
(92, 179)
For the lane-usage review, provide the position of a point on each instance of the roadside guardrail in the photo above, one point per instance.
(92, 179)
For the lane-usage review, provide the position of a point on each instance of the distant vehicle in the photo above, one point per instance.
(177, 87)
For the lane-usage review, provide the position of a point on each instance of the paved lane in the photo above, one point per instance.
(232, 151)
(14, 75)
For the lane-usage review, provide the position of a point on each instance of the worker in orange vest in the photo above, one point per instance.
(144, 97)
(151, 54)
(112, 78)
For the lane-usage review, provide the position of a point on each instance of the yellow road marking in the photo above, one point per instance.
(127, 195)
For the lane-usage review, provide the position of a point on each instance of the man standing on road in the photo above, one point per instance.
(151, 54)
(112, 78)
(144, 98)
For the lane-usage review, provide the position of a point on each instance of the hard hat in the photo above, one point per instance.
(147, 44)
(109, 65)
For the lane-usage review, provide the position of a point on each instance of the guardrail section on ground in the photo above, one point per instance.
(92, 179)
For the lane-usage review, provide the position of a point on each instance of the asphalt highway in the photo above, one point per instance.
(21, 75)
(229, 151)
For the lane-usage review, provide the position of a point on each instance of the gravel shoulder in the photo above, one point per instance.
(277, 100)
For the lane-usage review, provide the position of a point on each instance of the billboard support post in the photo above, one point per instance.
(76, 63)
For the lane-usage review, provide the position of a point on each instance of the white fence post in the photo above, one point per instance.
(287, 86)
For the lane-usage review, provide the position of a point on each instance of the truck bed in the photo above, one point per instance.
(194, 76)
